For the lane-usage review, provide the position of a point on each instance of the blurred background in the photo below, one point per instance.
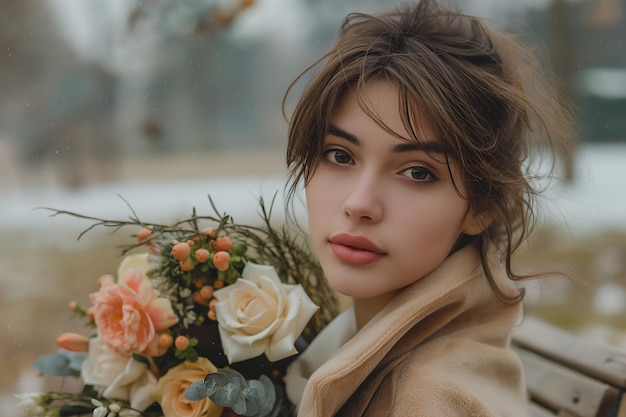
(163, 102)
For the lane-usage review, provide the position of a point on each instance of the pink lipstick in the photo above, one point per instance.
(355, 249)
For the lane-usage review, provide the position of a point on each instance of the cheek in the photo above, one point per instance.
(314, 208)
(433, 223)
(319, 197)
(323, 206)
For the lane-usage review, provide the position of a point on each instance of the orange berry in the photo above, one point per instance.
(143, 234)
(187, 264)
(209, 231)
(91, 313)
(206, 292)
(218, 284)
(73, 306)
(212, 315)
(202, 255)
(223, 243)
(221, 260)
(198, 299)
(212, 304)
(165, 340)
(190, 242)
(181, 342)
(198, 282)
(181, 251)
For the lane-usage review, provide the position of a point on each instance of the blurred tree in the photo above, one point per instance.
(587, 46)
(561, 57)
(78, 104)
(85, 81)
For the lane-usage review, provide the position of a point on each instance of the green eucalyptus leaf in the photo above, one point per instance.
(240, 407)
(214, 381)
(254, 397)
(74, 360)
(61, 363)
(224, 387)
(196, 391)
(269, 396)
(228, 388)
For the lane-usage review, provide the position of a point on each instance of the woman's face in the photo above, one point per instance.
(383, 212)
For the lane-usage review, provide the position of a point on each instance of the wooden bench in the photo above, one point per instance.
(567, 375)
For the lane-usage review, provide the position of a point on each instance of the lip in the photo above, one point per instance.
(355, 249)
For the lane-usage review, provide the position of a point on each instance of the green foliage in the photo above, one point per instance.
(61, 363)
(228, 388)
(281, 247)
(190, 353)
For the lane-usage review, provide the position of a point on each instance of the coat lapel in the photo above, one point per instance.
(432, 302)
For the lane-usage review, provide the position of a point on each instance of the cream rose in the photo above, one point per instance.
(118, 376)
(259, 314)
(170, 390)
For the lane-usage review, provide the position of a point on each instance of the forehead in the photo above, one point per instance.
(387, 106)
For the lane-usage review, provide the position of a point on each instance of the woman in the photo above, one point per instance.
(414, 140)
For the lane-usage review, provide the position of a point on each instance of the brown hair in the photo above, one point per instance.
(484, 92)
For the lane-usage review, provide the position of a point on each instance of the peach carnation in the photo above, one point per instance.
(130, 313)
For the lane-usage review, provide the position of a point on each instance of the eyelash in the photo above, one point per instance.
(429, 175)
(330, 155)
(333, 151)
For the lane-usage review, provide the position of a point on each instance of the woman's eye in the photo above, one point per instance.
(419, 173)
(338, 156)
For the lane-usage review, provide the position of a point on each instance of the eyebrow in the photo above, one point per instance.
(427, 146)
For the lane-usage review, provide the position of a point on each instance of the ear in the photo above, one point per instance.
(476, 223)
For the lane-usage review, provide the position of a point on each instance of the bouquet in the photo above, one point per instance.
(201, 320)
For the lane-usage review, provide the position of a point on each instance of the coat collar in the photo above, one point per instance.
(455, 289)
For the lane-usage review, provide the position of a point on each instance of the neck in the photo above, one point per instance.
(366, 308)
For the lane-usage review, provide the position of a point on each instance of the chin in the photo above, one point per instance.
(350, 289)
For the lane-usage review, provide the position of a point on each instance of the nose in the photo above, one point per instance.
(364, 202)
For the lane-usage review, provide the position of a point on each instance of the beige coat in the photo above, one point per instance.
(440, 348)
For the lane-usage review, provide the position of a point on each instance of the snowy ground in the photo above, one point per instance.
(596, 199)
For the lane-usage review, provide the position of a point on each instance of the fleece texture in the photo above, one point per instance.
(440, 348)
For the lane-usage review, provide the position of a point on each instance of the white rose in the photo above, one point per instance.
(120, 377)
(259, 314)
(138, 261)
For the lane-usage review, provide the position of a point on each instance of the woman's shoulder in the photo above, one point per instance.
(451, 376)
